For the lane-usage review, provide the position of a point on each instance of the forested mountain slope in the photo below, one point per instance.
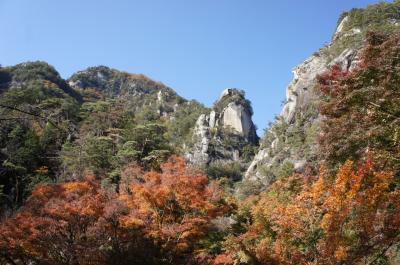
(109, 167)
(98, 121)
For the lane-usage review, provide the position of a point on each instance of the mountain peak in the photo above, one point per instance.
(230, 92)
(115, 83)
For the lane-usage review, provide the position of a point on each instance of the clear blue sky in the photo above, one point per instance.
(196, 47)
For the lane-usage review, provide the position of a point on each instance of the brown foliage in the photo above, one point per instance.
(352, 220)
(175, 206)
(361, 107)
(55, 226)
(157, 218)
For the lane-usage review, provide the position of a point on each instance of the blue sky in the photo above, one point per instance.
(196, 47)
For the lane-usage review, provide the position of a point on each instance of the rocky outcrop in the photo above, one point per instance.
(342, 33)
(298, 93)
(201, 138)
(290, 144)
(136, 89)
(114, 83)
(298, 115)
(225, 131)
(235, 114)
(237, 117)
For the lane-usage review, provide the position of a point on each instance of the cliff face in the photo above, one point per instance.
(224, 132)
(290, 143)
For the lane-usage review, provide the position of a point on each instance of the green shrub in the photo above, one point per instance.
(219, 169)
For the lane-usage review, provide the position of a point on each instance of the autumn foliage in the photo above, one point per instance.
(157, 218)
(56, 225)
(353, 220)
(361, 107)
(350, 212)
(175, 207)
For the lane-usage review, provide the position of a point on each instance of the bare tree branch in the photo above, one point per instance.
(32, 114)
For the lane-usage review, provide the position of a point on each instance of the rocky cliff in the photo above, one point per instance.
(290, 144)
(223, 133)
(103, 82)
(226, 132)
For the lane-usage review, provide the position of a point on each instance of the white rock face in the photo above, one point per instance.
(347, 60)
(212, 119)
(393, 21)
(299, 94)
(298, 165)
(159, 96)
(74, 84)
(202, 140)
(252, 173)
(209, 128)
(341, 25)
(237, 117)
(340, 33)
(299, 90)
